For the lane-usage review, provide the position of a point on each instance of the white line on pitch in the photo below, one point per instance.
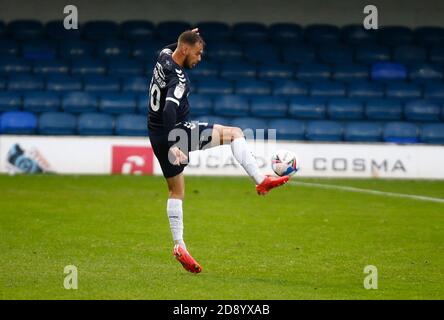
(369, 191)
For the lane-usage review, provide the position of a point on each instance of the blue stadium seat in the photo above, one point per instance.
(101, 84)
(334, 53)
(10, 101)
(236, 70)
(355, 34)
(313, 71)
(360, 131)
(409, 54)
(95, 124)
(388, 71)
(62, 82)
(290, 88)
(285, 32)
(422, 111)
(137, 30)
(403, 90)
(231, 106)
(170, 30)
(327, 89)
(225, 51)
(12, 65)
(350, 72)
(249, 31)
(257, 53)
(41, 101)
(116, 103)
(214, 30)
(383, 109)
(436, 54)
(216, 86)
(371, 53)
(400, 132)
(322, 33)
(131, 125)
(275, 71)
(213, 120)
(135, 84)
(395, 35)
(39, 49)
(57, 123)
(345, 109)
(125, 67)
(434, 91)
(324, 130)
(55, 30)
(432, 133)
(46, 67)
(18, 122)
(110, 48)
(75, 48)
(365, 89)
(249, 123)
(143, 103)
(288, 129)
(307, 108)
(79, 102)
(425, 72)
(9, 47)
(269, 107)
(429, 36)
(88, 66)
(298, 53)
(252, 87)
(201, 104)
(26, 29)
(97, 30)
(147, 50)
(252, 127)
(205, 69)
(25, 82)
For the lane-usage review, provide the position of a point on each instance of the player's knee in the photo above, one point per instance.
(236, 133)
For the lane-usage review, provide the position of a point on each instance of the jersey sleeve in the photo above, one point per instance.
(169, 49)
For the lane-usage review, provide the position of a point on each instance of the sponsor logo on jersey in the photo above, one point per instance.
(179, 90)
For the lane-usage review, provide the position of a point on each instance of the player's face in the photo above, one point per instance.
(194, 55)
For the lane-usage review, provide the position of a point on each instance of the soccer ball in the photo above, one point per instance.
(284, 163)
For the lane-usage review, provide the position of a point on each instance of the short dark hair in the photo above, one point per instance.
(190, 37)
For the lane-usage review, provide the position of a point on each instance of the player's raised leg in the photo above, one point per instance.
(243, 154)
(176, 188)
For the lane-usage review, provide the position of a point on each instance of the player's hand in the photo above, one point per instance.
(180, 157)
(195, 30)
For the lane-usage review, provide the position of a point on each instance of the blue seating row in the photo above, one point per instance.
(58, 123)
(146, 50)
(243, 31)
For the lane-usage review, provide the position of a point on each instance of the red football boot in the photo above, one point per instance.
(270, 183)
(186, 259)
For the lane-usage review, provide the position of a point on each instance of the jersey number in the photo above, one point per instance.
(155, 97)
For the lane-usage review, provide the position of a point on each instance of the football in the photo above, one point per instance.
(284, 163)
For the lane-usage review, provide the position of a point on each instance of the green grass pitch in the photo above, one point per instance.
(298, 242)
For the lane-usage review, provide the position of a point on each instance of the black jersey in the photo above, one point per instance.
(169, 83)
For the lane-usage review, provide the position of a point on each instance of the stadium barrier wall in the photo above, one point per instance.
(128, 155)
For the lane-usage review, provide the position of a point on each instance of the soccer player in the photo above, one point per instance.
(173, 136)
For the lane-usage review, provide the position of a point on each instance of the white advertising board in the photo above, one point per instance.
(118, 155)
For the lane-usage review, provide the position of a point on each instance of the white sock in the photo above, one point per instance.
(245, 157)
(175, 216)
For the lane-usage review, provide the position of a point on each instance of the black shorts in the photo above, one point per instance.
(188, 136)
